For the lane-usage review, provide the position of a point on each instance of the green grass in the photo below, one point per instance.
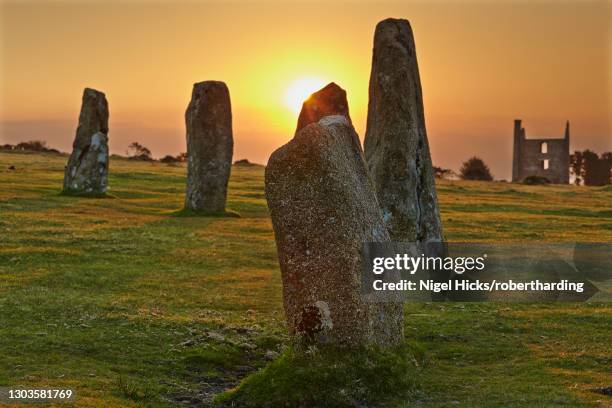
(132, 305)
(332, 377)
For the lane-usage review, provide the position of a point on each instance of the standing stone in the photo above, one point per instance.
(396, 147)
(329, 100)
(210, 146)
(87, 169)
(323, 208)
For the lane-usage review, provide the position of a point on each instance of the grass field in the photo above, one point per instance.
(131, 305)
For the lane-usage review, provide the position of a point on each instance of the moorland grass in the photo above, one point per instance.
(332, 377)
(132, 306)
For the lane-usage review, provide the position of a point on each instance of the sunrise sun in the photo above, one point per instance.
(299, 90)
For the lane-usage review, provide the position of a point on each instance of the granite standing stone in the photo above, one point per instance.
(323, 208)
(87, 168)
(210, 145)
(396, 147)
(329, 100)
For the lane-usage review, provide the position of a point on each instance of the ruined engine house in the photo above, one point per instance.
(542, 158)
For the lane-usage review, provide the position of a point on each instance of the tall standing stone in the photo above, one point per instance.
(323, 208)
(210, 146)
(87, 168)
(396, 147)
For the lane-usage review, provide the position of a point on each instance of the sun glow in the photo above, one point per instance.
(299, 90)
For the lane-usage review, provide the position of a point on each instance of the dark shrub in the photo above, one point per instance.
(32, 146)
(136, 151)
(536, 180)
(169, 159)
(441, 173)
(475, 169)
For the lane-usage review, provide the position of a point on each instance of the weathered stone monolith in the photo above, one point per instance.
(323, 208)
(329, 100)
(210, 145)
(396, 147)
(87, 168)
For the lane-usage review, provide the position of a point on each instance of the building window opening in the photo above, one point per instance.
(544, 147)
(545, 164)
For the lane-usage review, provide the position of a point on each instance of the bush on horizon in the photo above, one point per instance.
(475, 169)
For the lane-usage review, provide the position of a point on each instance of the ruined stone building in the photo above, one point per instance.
(546, 158)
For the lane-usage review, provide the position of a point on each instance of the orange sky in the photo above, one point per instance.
(482, 64)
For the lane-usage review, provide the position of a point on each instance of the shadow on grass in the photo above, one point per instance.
(332, 377)
(185, 212)
(83, 194)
